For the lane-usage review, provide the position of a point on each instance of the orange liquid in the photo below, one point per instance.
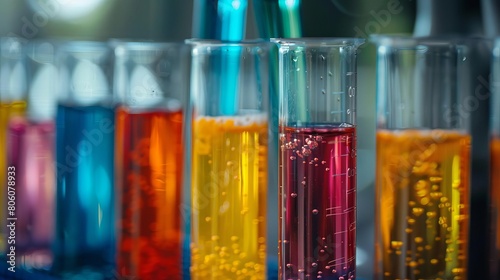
(495, 191)
(149, 154)
(422, 197)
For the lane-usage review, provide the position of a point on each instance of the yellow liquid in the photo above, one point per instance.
(7, 112)
(229, 189)
(422, 216)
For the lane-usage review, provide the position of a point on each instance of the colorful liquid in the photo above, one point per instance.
(229, 190)
(31, 152)
(149, 156)
(85, 223)
(8, 110)
(317, 190)
(422, 198)
(495, 198)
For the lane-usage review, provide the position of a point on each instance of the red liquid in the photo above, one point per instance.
(149, 169)
(317, 178)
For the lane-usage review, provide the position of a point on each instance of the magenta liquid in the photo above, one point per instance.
(317, 179)
(31, 154)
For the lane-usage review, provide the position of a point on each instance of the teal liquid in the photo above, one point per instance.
(85, 220)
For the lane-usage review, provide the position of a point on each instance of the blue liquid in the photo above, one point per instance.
(85, 220)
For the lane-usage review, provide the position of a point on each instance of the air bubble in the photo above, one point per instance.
(292, 157)
(294, 195)
(314, 264)
(315, 211)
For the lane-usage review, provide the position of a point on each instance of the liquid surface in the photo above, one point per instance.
(422, 204)
(229, 186)
(149, 155)
(31, 152)
(85, 223)
(317, 178)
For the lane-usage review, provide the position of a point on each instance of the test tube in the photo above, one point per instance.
(495, 160)
(12, 104)
(423, 159)
(85, 126)
(229, 161)
(152, 81)
(31, 155)
(317, 158)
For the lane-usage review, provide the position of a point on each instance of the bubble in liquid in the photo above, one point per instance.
(306, 151)
(323, 162)
(208, 219)
(315, 211)
(289, 265)
(327, 169)
(314, 264)
(323, 91)
(294, 195)
(322, 57)
(319, 138)
(292, 157)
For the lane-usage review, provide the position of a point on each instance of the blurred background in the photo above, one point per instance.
(167, 20)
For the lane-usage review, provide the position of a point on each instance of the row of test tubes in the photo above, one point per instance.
(114, 155)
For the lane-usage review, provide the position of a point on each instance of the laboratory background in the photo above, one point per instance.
(176, 21)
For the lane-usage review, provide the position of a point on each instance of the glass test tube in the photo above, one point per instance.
(423, 159)
(31, 152)
(495, 160)
(85, 126)
(229, 160)
(12, 104)
(152, 79)
(317, 158)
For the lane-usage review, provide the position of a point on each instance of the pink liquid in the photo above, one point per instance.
(317, 178)
(31, 152)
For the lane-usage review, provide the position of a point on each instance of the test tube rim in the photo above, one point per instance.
(406, 41)
(319, 41)
(223, 43)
